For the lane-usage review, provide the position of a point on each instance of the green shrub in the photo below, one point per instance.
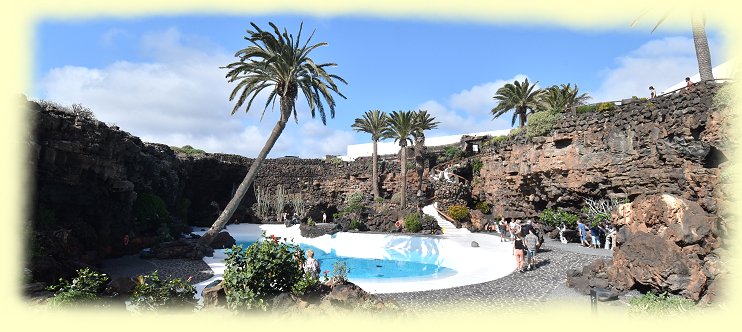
(453, 152)
(665, 304)
(354, 203)
(149, 212)
(85, 289)
(586, 108)
(189, 150)
(378, 199)
(412, 223)
(266, 268)
(307, 283)
(497, 140)
(354, 224)
(152, 293)
(604, 107)
(555, 218)
(483, 207)
(476, 165)
(541, 123)
(515, 131)
(340, 272)
(458, 212)
(310, 221)
(397, 198)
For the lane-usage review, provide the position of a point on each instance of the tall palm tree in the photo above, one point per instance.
(422, 121)
(373, 122)
(400, 127)
(562, 98)
(277, 62)
(519, 97)
(700, 41)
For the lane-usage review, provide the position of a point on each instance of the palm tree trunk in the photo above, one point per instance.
(420, 162)
(522, 118)
(703, 54)
(375, 171)
(403, 184)
(247, 181)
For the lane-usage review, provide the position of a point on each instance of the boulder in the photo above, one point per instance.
(214, 294)
(223, 240)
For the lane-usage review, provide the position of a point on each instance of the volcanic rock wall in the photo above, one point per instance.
(672, 144)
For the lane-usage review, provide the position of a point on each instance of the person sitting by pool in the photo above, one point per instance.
(311, 266)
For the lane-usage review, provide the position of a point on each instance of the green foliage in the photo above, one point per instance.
(453, 153)
(307, 283)
(188, 150)
(266, 268)
(412, 222)
(587, 108)
(378, 199)
(663, 304)
(555, 218)
(476, 165)
(458, 212)
(354, 203)
(496, 140)
(163, 233)
(515, 131)
(84, 289)
(340, 272)
(396, 198)
(354, 224)
(149, 212)
(604, 107)
(152, 293)
(334, 160)
(310, 221)
(483, 207)
(541, 123)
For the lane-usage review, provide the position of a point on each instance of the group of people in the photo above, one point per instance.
(688, 86)
(524, 238)
(595, 230)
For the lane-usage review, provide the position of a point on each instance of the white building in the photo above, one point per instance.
(390, 147)
(726, 70)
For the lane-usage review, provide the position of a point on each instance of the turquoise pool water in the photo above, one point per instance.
(399, 265)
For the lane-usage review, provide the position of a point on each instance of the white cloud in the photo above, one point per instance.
(478, 99)
(180, 98)
(659, 63)
(108, 37)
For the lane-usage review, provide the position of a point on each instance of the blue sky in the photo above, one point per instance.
(158, 77)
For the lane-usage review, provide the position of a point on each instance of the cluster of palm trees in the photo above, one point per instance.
(524, 98)
(405, 127)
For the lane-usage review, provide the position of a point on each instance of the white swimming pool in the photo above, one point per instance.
(470, 265)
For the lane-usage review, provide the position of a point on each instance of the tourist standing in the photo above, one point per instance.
(518, 249)
(652, 93)
(595, 235)
(582, 229)
(311, 266)
(501, 228)
(531, 242)
(324, 217)
(688, 84)
(513, 228)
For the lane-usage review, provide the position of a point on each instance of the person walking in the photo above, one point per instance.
(582, 229)
(518, 248)
(595, 235)
(531, 242)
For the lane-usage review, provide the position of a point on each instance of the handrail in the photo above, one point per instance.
(447, 164)
(664, 94)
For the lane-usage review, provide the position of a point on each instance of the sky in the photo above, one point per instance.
(159, 77)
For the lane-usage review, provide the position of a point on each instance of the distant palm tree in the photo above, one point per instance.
(562, 98)
(277, 62)
(422, 122)
(400, 127)
(519, 97)
(374, 123)
(700, 41)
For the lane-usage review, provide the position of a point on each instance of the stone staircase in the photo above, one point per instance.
(447, 227)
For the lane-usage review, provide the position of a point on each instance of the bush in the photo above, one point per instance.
(453, 152)
(340, 272)
(515, 131)
(458, 212)
(265, 269)
(555, 218)
(151, 293)
(497, 140)
(149, 212)
(378, 199)
(724, 96)
(483, 207)
(189, 150)
(541, 123)
(397, 198)
(354, 203)
(586, 108)
(476, 165)
(603, 107)
(86, 288)
(307, 283)
(354, 224)
(412, 223)
(651, 303)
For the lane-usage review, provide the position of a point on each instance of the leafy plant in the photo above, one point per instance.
(149, 212)
(305, 284)
(724, 96)
(266, 268)
(453, 153)
(86, 288)
(483, 207)
(541, 123)
(378, 199)
(458, 212)
(599, 211)
(587, 108)
(188, 150)
(555, 218)
(515, 131)
(396, 198)
(152, 293)
(664, 303)
(607, 106)
(412, 223)
(340, 272)
(354, 224)
(497, 139)
(310, 221)
(476, 165)
(354, 203)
